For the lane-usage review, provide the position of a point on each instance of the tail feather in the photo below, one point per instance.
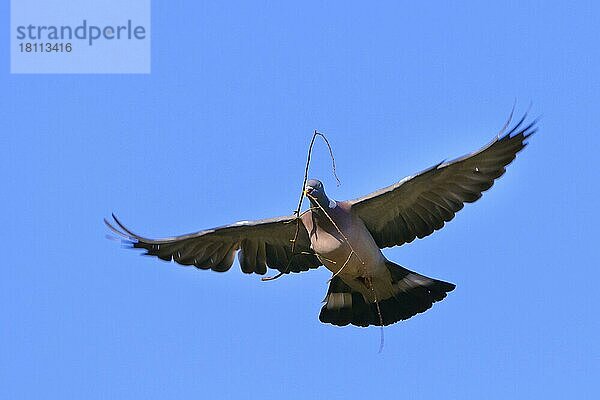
(412, 294)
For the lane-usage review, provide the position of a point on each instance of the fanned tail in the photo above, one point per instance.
(413, 294)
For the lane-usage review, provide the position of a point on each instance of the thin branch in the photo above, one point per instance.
(332, 157)
(354, 253)
(300, 215)
(343, 265)
(319, 206)
(301, 200)
(381, 336)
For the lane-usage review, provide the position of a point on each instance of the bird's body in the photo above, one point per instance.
(334, 248)
(347, 237)
(363, 279)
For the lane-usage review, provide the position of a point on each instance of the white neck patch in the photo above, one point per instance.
(332, 204)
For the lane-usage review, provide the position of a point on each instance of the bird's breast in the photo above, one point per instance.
(334, 245)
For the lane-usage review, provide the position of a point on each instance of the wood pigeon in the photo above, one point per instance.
(347, 236)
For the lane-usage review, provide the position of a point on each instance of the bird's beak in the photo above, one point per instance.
(308, 190)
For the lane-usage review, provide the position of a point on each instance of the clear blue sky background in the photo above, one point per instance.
(218, 132)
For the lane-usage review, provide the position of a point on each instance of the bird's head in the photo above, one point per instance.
(315, 192)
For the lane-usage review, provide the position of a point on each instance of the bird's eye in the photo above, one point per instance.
(320, 185)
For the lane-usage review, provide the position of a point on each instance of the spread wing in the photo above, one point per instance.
(420, 204)
(262, 243)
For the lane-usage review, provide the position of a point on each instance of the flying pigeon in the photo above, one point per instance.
(347, 236)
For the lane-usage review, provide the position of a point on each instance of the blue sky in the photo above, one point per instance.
(218, 133)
